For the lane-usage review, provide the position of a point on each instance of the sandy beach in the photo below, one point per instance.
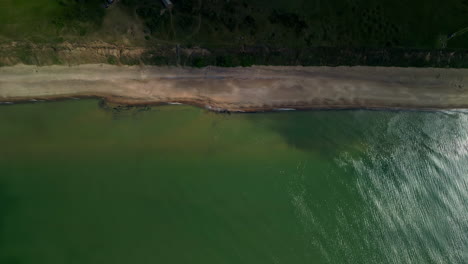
(258, 88)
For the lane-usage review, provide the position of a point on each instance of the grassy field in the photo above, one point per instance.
(49, 20)
(234, 23)
(24, 18)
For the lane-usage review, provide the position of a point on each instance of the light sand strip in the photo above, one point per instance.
(243, 89)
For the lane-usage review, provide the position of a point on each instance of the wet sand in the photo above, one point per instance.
(259, 88)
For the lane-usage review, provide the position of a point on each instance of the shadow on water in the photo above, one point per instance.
(331, 132)
(327, 131)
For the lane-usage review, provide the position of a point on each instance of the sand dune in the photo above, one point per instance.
(243, 89)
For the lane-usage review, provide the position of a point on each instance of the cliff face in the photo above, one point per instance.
(67, 53)
(165, 54)
(95, 52)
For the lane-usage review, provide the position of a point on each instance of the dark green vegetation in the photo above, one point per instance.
(176, 184)
(242, 33)
(277, 23)
(164, 55)
(305, 23)
(329, 56)
(81, 15)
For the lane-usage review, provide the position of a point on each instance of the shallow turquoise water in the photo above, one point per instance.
(177, 184)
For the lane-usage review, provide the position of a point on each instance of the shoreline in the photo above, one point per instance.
(250, 89)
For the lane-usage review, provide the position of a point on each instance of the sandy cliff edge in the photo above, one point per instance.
(258, 88)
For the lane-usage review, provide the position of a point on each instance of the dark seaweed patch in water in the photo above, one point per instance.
(122, 111)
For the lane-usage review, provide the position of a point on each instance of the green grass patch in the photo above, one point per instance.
(112, 60)
(47, 20)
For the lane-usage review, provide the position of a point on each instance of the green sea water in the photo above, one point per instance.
(177, 184)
